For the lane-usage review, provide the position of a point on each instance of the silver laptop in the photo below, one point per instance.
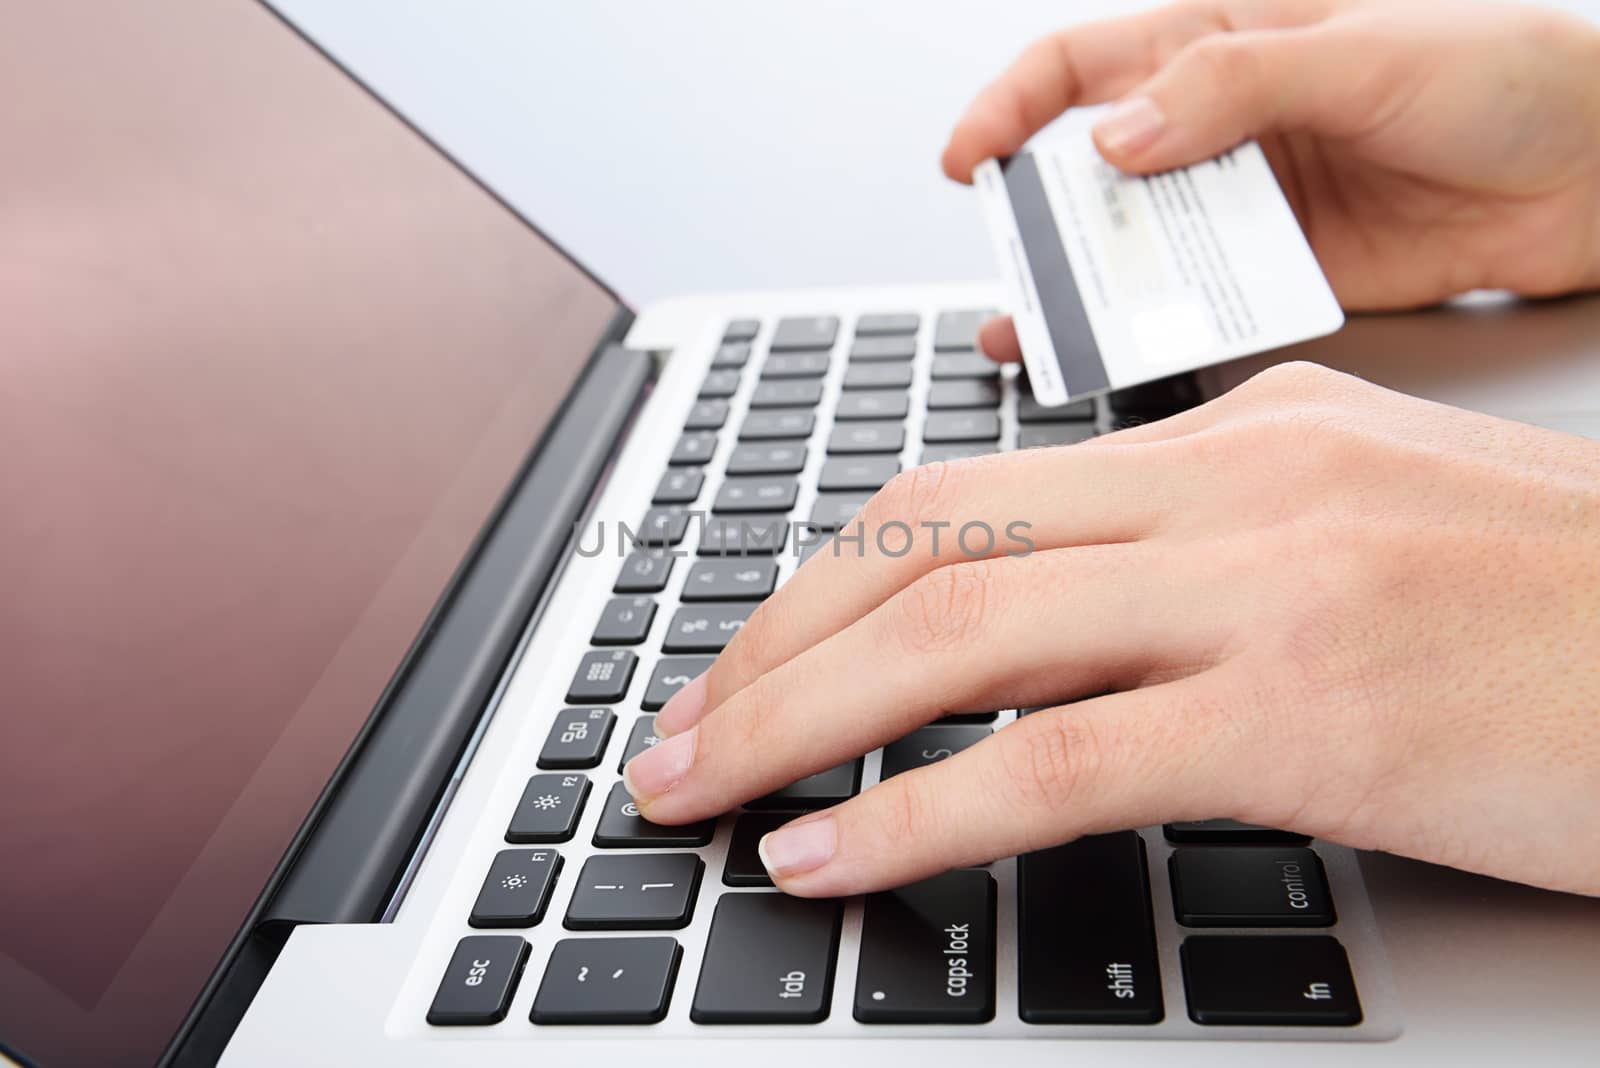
(324, 641)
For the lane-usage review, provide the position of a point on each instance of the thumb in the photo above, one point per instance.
(1229, 87)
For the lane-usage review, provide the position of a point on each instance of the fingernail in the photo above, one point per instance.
(683, 709)
(659, 768)
(1131, 126)
(798, 847)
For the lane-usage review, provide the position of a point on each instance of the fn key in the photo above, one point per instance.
(1269, 979)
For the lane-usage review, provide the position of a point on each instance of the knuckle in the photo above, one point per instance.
(750, 653)
(906, 814)
(1293, 378)
(1050, 762)
(945, 608)
(741, 725)
(921, 493)
(1224, 58)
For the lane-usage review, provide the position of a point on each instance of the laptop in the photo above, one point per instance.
(323, 651)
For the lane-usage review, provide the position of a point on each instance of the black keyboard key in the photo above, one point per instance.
(624, 621)
(707, 415)
(731, 354)
(1270, 980)
(963, 393)
(872, 404)
(693, 448)
(857, 472)
(948, 453)
(787, 393)
(517, 888)
(928, 745)
(946, 427)
(769, 959)
(706, 628)
(730, 580)
(607, 981)
(964, 365)
(742, 330)
(1245, 886)
(877, 376)
(1029, 410)
(777, 424)
(602, 677)
(855, 438)
(794, 365)
(719, 385)
(744, 535)
(641, 737)
(744, 867)
(829, 787)
(883, 348)
(781, 459)
(680, 485)
(959, 329)
(831, 511)
(1230, 832)
(621, 827)
(549, 809)
(771, 494)
(1085, 937)
(968, 717)
(878, 323)
(811, 332)
(653, 891)
(672, 674)
(662, 526)
(577, 739)
(479, 981)
(644, 572)
(927, 952)
(1045, 435)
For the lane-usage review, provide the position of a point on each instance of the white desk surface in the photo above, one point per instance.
(709, 144)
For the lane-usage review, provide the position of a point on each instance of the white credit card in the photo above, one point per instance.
(1116, 280)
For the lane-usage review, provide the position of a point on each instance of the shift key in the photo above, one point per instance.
(769, 959)
(1087, 949)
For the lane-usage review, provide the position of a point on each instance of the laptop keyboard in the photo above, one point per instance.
(807, 427)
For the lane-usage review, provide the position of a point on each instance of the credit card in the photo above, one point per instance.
(1116, 280)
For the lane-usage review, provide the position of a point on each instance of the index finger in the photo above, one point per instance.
(1096, 62)
(1085, 64)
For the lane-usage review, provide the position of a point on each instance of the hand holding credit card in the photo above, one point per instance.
(1117, 279)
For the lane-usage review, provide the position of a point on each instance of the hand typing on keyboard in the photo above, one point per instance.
(1312, 604)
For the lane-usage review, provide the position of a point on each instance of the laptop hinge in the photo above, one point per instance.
(352, 859)
(350, 855)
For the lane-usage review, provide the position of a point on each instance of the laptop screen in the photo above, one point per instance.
(267, 363)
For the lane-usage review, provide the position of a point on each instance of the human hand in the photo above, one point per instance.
(1315, 604)
(1427, 148)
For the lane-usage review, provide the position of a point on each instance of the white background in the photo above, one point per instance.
(697, 145)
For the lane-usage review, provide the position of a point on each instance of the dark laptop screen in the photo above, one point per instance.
(267, 362)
